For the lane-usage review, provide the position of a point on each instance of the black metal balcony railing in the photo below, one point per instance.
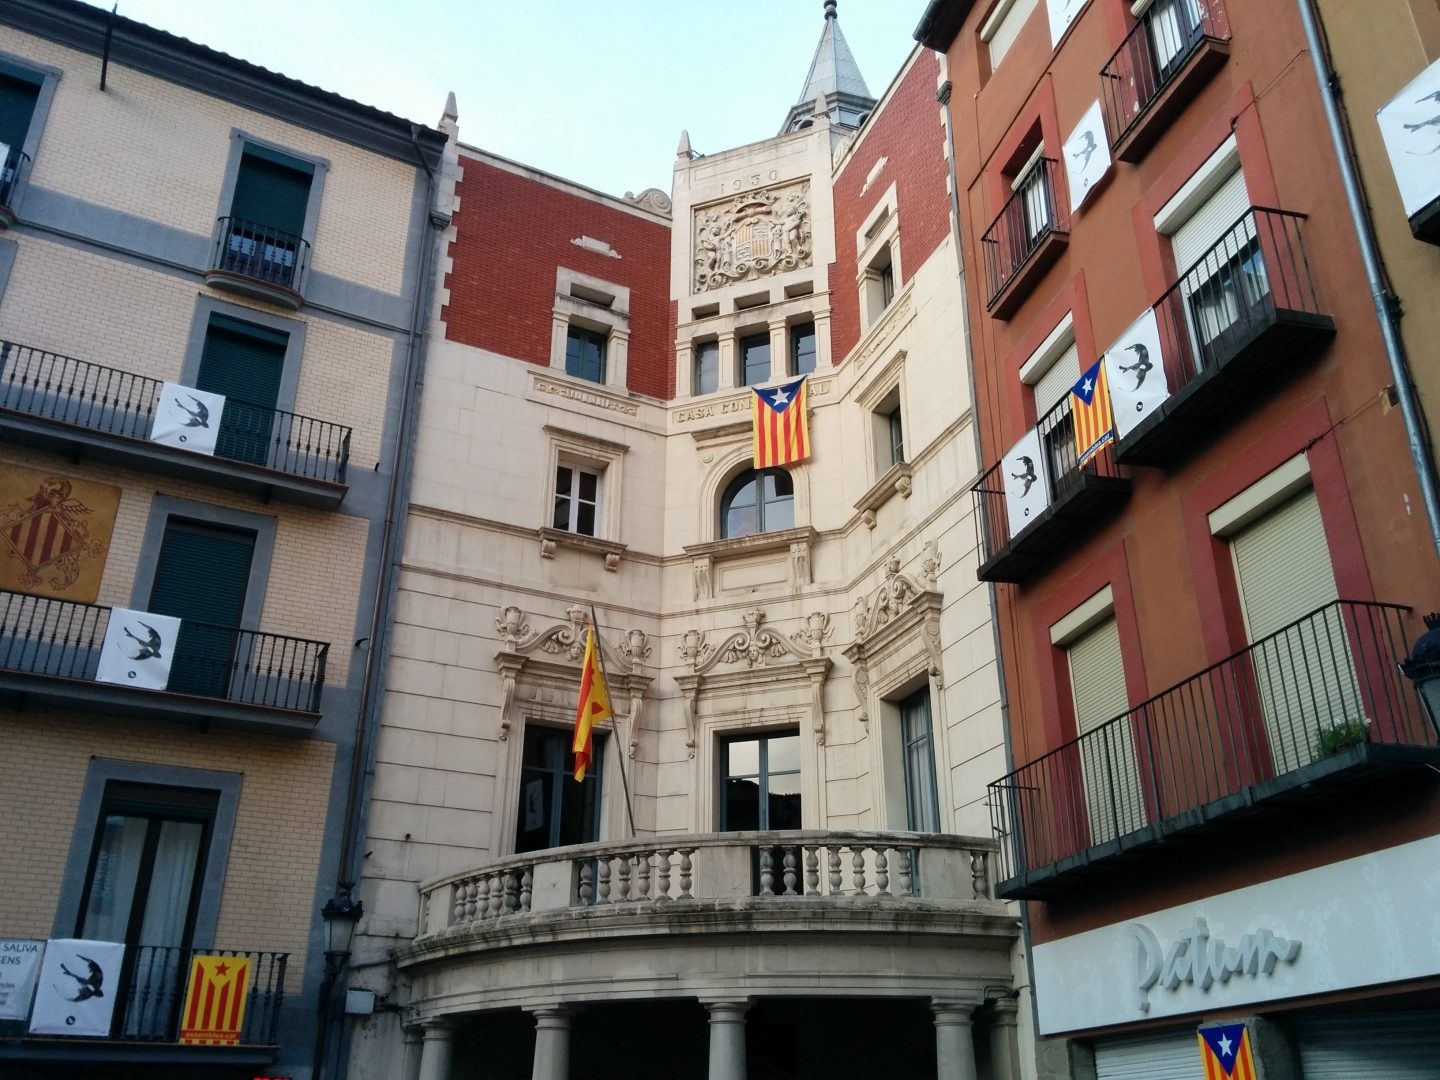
(63, 639)
(1155, 51)
(1312, 689)
(16, 165)
(1060, 469)
(64, 390)
(1031, 214)
(153, 992)
(257, 251)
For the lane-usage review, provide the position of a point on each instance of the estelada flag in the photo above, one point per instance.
(594, 705)
(1225, 1052)
(1094, 421)
(215, 1003)
(782, 431)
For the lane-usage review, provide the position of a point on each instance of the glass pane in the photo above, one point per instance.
(742, 805)
(588, 485)
(561, 517)
(563, 479)
(783, 803)
(741, 521)
(742, 757)
(779, 514)
(578, 822)
(532, 829)
(585, 519)
(784, 754)
(171, 881)
(707, 367)
(802, 349)
(778, 483)
(112, 880)
(755, 359)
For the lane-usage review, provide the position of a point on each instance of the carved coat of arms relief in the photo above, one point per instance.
(754, 235)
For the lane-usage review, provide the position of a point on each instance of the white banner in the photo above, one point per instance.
(1410, 126)
(138, 649)
(77, 989)
(187, 418)
(1027, 493)
(1087, 155)
(1062, 14)
(19, 971)
(1135, 370)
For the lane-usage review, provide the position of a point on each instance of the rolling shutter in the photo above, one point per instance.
(245, 363)
(201, 577)
(1378, 1046)
(1112, 781)
(270, 193)
(1150, 1057)
(1203, 229)
(1057, 380)
(1008, 30)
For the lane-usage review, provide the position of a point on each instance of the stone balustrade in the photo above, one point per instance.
(760, 868)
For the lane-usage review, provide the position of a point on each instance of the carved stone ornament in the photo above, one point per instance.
(754, 235)
(652, 199)
(900, 608)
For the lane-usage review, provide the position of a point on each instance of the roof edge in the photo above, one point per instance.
(941, 22)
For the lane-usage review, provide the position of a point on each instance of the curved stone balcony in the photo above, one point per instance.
(712, 916)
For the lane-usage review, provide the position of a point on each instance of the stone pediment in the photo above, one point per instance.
(890, 618)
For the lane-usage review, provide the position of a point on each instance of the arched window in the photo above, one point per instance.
(757, 502)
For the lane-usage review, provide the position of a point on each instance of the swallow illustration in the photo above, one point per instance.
(89, 984)
(1142, 364)
(1434, 121)
(1028, 475)
(1433, 96)
(148, 648)
(199, 416)
(1088, 150)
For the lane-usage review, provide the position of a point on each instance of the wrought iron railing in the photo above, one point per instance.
(1257, 268)
(1153, 53)
(64, 390)
(1327, 681)
(12, 171)
(63, 639)
(661, 874)
(260, 252)
(153, 987)
(1059, 468)
(1031, 214)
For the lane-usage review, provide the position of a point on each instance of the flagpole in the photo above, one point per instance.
(619, 750)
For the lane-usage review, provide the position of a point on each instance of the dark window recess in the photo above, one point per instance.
(802, 349)
(897, 436)
(922, 804)
(761, 783)
(201, 577)
(267, 217)
(555, 810)
(585, 354)
(17, 108)
(707, 367)
(757, 502)
(754, 359)
(245, 363)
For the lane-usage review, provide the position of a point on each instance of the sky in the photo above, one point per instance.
(595, 91)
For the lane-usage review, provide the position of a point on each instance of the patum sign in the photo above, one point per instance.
(1200, 960)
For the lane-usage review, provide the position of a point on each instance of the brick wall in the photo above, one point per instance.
(512, 232)
(906, 130)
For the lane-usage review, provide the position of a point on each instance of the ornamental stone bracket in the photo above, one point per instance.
(767, 655)
(551, 659)
(899, 613)
(610, 551)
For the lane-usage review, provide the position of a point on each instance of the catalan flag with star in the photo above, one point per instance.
(1094, 421)
(782, 432)
(1225, 1052)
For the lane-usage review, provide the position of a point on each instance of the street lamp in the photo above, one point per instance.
(340, 913)
(1422, 667)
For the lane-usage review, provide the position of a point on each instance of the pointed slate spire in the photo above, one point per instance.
(835, 77)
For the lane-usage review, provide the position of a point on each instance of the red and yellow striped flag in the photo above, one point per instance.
(1094, 420)
(215, 1003)
(782, 431)
(594, 705)
(1225, 1052)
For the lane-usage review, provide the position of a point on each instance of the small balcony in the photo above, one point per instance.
(147, 1022)
(80, 409)
(12, 174)
(1317, 713)
(259, 262)
(219, 675)
(1170, 53)
(1081, 497)
(1027, 237)
(1239, 323)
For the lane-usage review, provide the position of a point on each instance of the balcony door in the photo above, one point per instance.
(1304, 674)
(760, 783)
(1174, 29)
(267, 216)
(1113, 796)
(244, 362)
(554, 810)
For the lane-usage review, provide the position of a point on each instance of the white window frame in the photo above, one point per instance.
(877, 249)
(576, 500)
(1000, 20)
(594, 304)
(585, 453)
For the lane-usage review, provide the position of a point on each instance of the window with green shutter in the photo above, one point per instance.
(17, 109)
(244, 362)
(263, 233)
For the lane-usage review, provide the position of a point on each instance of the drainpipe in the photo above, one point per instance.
(1384, 312)
(955, 236)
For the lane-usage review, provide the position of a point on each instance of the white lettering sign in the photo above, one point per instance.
(1200, 960)
(19, 969)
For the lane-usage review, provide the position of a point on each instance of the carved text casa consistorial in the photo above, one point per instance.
(753, 235)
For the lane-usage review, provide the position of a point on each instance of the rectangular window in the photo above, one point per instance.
(922, 804)
(754, 359)
(1032, 184)
(1107, 750)
(802, 348)
(17, 109)
(888, 429)
(879, 285)
(554, 810)
(585, 354)
(577, 500)
(1004, 25)
(263, 233)
(246, 363)
(707, 367)
(1175, 27)
(760, 783)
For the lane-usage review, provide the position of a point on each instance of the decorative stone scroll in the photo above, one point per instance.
(754, 235)
(757, 646)
(652, 199)
(900, 610)
(551, 658)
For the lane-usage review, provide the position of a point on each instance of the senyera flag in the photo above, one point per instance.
(215, 1003)
(593, 708)
(782, 431)
(1225, 1052)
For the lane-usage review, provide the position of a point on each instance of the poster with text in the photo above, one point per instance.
(19, 971)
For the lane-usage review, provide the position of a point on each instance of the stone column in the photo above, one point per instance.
(779, 349)
(552, 1043)
(727, 1039)
(729, 361)
(1004, 1039)
(410, 1061)
(685, 370)
(954, 1040)
(436, 1050)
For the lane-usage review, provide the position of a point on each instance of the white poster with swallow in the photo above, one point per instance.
(1087, 155)
(187, 418)
(1027, 491)
(77, 989)
(138, 650)
(1410, 126)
